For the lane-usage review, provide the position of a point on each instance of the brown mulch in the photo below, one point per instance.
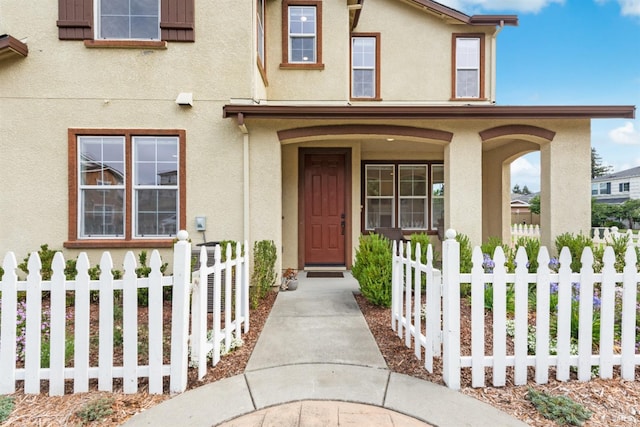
(613, 402)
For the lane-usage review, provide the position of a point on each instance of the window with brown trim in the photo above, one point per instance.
(126, 187)
(468, 66)
(365, 66)
(136, 20)
(261, 41)
(301, 34)
(404, 194)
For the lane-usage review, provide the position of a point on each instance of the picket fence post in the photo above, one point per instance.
(245, 286)
(9, 300)
(180, 313)
(394, 284)
(451, 310)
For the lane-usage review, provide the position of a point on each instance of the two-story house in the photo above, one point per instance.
(617, 187)
(306, 122)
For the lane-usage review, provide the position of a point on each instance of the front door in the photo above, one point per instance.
(324, 209)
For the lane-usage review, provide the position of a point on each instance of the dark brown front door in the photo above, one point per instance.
(324, 209)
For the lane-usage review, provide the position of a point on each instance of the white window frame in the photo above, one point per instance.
(98, 24)
(136, 188)
(424, 197)
(293, 36)
(100, 185)
(371, 67)
(367, 197)
(461, 66)
(260, 11)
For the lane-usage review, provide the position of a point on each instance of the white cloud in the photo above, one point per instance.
(628, 7)
(524, 172)
(626, 134)
(470, 7)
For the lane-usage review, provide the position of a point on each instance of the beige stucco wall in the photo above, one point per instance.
(415, 63)
(63, 84)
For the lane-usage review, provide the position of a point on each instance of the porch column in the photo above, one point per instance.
(565, 169)
(463, 184)
(496, 196)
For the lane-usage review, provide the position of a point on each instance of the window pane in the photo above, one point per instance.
(156, 212)
(102, 213)
(302, 20)
(379, 213)
(437, 196)
(413, 180)
(363, 84)
(467, 84)
(303, 49)
(380, 180)
(144, 27)
(468, 53)
(101, 160)
(413, 213)
(129, 19)
(364, 52)
(156, 161)
(437, 212)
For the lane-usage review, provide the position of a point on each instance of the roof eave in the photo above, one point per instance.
(449, 13)
(429, 112)
(10, 46)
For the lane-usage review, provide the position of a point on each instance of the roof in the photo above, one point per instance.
(12, 47)
(444, 12)
(264, 111)
(525, 198)
(627, 173)
(611, 200)
(448, 13)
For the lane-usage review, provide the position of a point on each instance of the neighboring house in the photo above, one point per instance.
(521, 210)
(618, 187)
(305, 122)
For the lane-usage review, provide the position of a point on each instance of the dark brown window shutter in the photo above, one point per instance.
(177, 20)
(75, 19)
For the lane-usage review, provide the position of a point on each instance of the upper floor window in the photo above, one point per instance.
(408, 196)
(260, 32)
(468, 57)
(132, 19)
(365, 66)
(302, 34)
(623, 187)
(118, 22)
(126, 185)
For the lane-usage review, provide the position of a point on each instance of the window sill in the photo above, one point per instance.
(109, 244)
(126, 44)
(469, 99)
(365, 99)
(289, 66)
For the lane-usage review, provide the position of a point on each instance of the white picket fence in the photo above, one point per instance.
(524, 230)
(617, 291)
(80, 371)
(605, 235)
(205, 338)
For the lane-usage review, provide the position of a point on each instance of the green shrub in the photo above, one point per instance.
(6, 407)
(560, 409)
(96, 410)
(466, 252)
(532, 248)
(46, 258)
(264, 271)
(372, 269)
(576, 244)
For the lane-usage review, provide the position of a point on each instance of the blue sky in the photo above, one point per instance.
(570, 52)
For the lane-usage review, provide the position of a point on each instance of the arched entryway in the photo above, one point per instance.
(500, 147)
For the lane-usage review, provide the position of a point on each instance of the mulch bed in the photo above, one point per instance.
(613, 402)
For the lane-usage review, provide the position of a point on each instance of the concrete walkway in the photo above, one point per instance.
(316, 363)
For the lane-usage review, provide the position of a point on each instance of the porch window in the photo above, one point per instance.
(404, 195)
(380, 205)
